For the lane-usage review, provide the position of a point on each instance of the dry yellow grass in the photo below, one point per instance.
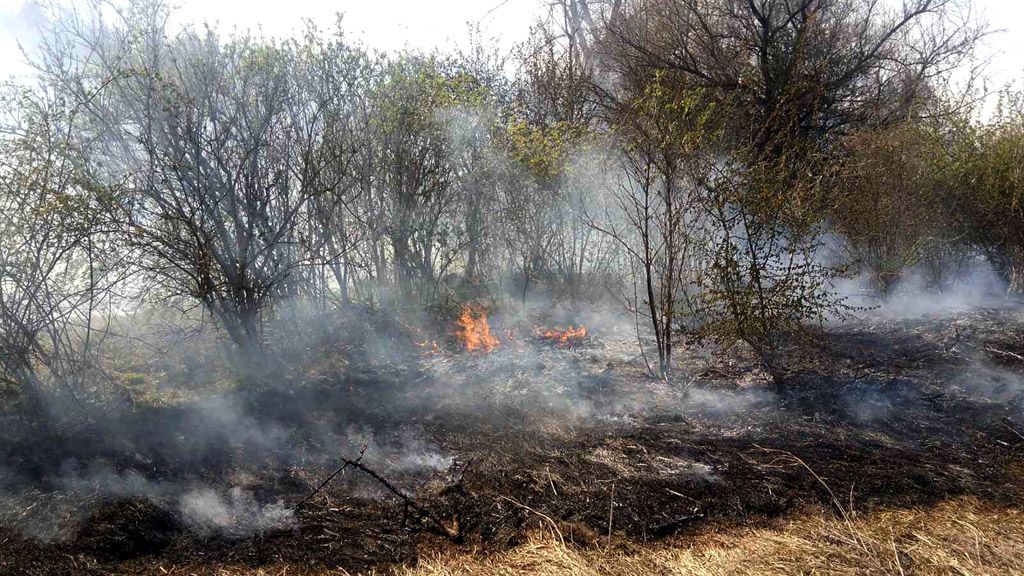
(959, 537)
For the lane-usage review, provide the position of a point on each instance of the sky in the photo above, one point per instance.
(426, 24)
(389, 25)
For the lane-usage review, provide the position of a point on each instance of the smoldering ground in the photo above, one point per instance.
(893, 410)
(550, 427)
(234, 463)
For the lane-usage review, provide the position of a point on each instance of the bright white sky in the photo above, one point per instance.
(382, 24)
(425, 24)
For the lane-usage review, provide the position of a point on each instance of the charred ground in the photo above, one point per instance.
(878, 413)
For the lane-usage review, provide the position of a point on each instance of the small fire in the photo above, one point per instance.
(474, 331)
(568, 338)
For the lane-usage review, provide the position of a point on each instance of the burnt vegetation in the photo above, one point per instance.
(668, 267)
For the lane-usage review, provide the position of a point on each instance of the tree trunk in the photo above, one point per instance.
(1015, 273)
(243, 328)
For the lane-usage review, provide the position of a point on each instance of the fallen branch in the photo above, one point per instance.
(1011, 429)
(1007, 353)
(409, 504)
(345, 464)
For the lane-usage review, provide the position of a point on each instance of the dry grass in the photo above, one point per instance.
(959, 537)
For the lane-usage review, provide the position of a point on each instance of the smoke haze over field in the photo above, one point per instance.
(298, 294)
(973, 285)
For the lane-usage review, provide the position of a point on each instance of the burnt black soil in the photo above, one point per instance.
(876, 413)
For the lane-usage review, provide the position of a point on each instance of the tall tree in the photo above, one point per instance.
(218, 147)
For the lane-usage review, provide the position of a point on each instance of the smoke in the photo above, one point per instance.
(867, 405)
(595, 381)
(921, 291)
(102, 480)
(343, 381)
(235, 514)
(223, 420)
(721, 403)
(223, 463)
(232, 512)
(994, 384)
(408, 452)
(339, 382)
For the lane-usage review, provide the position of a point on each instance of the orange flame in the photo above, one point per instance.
(568, 337)
(475, 332)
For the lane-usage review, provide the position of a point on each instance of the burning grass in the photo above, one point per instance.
(570, 337)
(474, 331)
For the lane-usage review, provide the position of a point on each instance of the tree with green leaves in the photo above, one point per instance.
(57, 262)
(987, 161)
(213, 149)
(889, 201)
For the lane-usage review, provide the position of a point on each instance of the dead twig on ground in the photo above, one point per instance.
(611, 513)
(1011, 429)
(436, 525)
(551, 481)
(345, 464)
(554, 526)
(409, 504)
(1006, 353)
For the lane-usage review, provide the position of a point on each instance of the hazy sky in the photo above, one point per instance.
(425, 24)
(382, 24)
